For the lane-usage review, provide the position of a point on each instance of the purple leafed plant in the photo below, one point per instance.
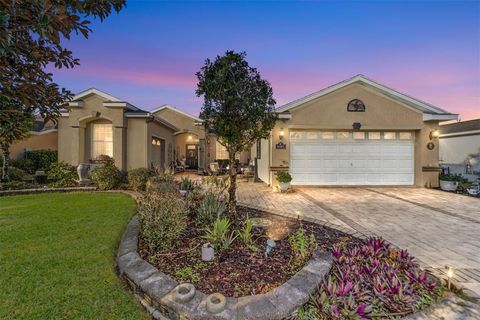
(374, 279)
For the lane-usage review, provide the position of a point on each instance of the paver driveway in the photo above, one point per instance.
(436, 227)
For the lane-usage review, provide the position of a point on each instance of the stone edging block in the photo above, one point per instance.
(155, 289)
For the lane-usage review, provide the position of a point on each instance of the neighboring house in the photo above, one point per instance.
(42, 136)
(356, 132)
(96, 123)
(460, 147)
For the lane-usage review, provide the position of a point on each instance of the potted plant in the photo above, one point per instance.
(284, 178)
(449, 181)
(186, 185)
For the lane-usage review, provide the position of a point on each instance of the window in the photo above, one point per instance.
(295, 135)
(343, 135)
(359, 135)
(220, 152)
(259, 149)
(374, 136)
(311, 135)
(389, 135)
(327, 136)
(102, 140)
(405, 135)
(355, 105)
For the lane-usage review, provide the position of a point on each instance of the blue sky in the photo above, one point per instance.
(148, 53)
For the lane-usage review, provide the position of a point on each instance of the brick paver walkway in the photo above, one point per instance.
(436, 227)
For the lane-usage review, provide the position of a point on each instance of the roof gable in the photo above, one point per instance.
(420, 105)
(111, 101)
(169, 107)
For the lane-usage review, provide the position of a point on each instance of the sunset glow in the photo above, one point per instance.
(149, 53)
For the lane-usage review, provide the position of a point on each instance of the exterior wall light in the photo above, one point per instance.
(281, 134)
(356, 125)
(434, 134)
(189, 137)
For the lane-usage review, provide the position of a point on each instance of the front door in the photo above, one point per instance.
(192, 156)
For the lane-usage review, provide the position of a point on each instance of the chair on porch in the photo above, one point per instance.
(214, 168)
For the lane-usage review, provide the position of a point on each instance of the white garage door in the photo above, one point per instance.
(352, 158)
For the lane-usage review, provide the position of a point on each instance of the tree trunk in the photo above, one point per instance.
(6, 156)
(232, 188)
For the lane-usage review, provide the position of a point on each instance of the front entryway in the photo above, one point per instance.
(352, 158)
(191, 156)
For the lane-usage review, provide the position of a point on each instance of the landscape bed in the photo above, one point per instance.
(241, 271)
(369, 278)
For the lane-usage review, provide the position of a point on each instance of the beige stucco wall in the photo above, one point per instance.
(457, 149)
(182, 122)
(330, 113)
(72, 131)
(34, 142)
(137, 141)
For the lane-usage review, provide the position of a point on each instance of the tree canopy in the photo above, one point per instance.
(238, 106)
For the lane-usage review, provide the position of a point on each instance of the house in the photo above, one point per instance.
(460, 147)
(43, 135)
(95, 123)
(356, 132)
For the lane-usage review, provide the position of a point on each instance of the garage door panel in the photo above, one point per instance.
(365, 162)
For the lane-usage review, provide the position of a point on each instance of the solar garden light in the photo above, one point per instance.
(208, 252)
(449, 276)
(270, 245)
(298, 213)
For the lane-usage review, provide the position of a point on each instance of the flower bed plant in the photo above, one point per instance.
(240, 266)
(372, 280)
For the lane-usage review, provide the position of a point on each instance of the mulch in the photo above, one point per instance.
(239, 271)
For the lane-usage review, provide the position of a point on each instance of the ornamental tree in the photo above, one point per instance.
(31, 36)
(238, 107)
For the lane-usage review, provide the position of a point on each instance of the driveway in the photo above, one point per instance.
(438, 228)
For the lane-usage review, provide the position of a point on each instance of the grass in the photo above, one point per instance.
(57, 256)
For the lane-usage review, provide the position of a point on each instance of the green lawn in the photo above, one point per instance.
(57, 256)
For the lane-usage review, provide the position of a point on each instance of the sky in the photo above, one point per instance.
(148, 54)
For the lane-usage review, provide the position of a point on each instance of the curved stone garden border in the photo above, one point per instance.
(157, 291)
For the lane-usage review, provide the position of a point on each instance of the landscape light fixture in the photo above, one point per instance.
(449, 276)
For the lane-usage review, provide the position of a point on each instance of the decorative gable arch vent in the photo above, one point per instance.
(356, 105)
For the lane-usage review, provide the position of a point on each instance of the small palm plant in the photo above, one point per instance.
(219, 234)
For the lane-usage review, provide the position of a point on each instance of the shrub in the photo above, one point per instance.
(246, 234)
(302, 244)
(26, 165)
(186, 184)
(216, 185)
(137, 178)
(42, 159)
(161, 183)
(163, 220)
(283, 177)
(452, 177)
(210, 209)
(374, 279)
(63, 175)
(107, 176)
(16, 174)
(14, 185)
(219, 234)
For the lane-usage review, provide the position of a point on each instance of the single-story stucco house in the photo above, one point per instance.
(460, 148)
(356, 132)
(95, 123)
